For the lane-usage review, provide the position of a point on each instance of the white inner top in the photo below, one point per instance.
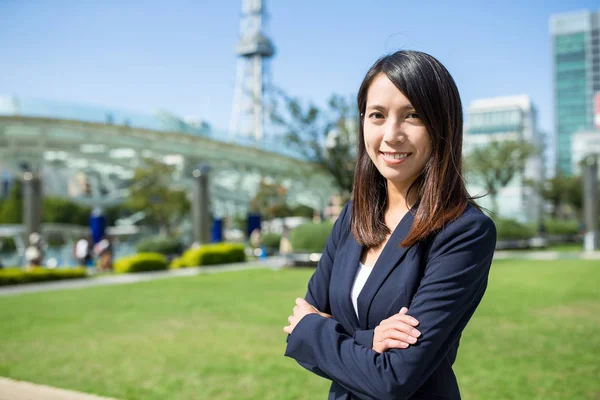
(359, 282)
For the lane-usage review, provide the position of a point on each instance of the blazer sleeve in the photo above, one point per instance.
(453, 284)
(318, 285)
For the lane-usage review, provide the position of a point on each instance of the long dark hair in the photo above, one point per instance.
(441, 189)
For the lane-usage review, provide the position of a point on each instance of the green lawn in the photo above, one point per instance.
(219, 336)
(563, 247)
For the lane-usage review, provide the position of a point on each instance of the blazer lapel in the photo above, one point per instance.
(389, 258)
(353, 251)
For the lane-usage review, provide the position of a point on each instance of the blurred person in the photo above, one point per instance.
(81, 251)
(255, 238)
(408, 259)
(285, 245)
(34, 253)
(103, 252)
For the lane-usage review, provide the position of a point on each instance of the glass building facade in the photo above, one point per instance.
(160, 120)
(576, 58)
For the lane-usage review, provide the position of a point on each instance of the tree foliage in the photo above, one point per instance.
(151, 191)
(326, 137)
(270, 201)
(496, 164)
(11, 208)
(565, 193)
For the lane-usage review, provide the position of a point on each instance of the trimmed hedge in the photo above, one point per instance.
(556, 227)
(141, 262)
(310, 237)
(211, 254)
(13, 276)
(160, 244)
(509, 229)
(271, 240)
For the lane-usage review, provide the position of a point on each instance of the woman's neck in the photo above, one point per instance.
(399, 201)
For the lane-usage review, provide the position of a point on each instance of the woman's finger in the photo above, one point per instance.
(398, 335)
(402, 319)
(401, 327)
(405, 318)
(392, 344)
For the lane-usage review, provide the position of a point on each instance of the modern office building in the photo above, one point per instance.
(499, 119)
(576, 59)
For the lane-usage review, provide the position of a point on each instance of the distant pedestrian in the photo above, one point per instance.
(34, 253)
(81, 252)
(285, 246)
(103, 251)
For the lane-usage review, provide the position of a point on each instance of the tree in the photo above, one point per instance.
(151, 192)
(497, 163)
(270, 201)
(564, 191)
(64, 211)
(325, 138)
(11, 208)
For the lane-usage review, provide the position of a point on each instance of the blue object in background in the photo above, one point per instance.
(253, 223)
(217, 230)
(97, 225)
(263, 253)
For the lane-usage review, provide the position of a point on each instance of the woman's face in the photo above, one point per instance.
(395, 137)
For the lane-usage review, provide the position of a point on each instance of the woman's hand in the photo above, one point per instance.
(301, 309)
(396, 332)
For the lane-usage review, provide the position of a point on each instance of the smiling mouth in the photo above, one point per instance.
(394, 156)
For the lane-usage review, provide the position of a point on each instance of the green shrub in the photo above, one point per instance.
(557, 227)
(271, 240)
(13, 276)
(7, 245)
(160, 244)
(211, 254)
(303, 211)
(310, 237)
(177, 262)
(141, 262)
(509, 229)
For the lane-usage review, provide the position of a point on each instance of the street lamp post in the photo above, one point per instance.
(201, 219)
(32, 203)
(590, 202)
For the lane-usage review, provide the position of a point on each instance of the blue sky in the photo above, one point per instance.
(178, 55)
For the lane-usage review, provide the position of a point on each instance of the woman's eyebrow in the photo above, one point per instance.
(380, 107)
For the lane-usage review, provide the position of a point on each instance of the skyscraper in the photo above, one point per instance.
(576, 59)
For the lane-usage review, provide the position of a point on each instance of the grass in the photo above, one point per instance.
(535, 336)
(561, 247)
(578, 247)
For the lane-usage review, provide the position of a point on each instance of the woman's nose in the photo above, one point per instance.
(394, 132)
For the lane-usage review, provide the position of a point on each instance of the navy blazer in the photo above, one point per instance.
(441, 280)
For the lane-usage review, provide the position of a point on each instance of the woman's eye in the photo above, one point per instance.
(376, 115)
(412, 115)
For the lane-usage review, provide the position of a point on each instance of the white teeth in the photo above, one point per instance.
(396, 156)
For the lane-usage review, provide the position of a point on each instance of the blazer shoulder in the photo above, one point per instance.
(472, 224)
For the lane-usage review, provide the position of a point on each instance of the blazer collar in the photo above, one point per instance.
(390, 257)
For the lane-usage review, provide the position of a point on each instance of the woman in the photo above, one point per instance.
(412, 239)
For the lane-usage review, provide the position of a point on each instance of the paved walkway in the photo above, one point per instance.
(121, 279)
(21, 390)
(546, 255)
